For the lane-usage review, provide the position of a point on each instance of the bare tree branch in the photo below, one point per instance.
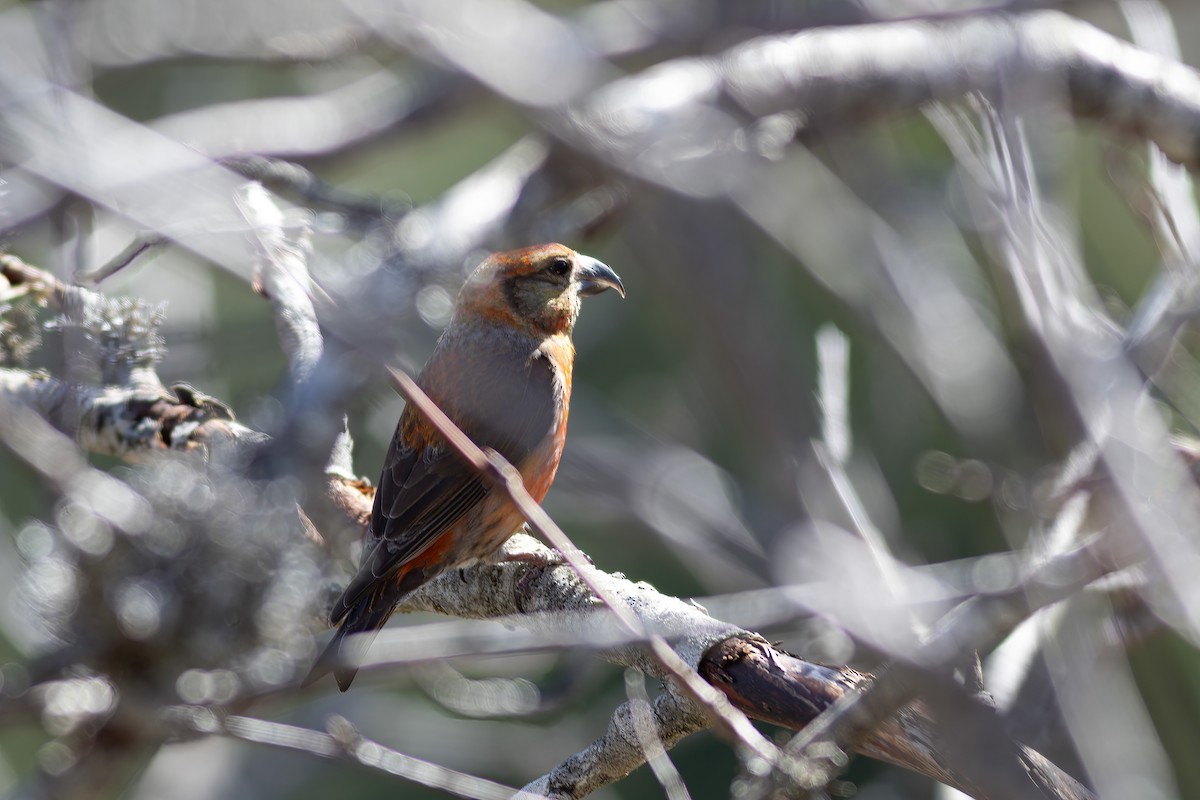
(282, 278)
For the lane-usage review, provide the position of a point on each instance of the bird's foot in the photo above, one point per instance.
(540, 558)
(539, 561)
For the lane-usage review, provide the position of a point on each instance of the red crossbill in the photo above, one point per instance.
(502, 371)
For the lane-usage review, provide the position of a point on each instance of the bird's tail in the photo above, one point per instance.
(348, 647)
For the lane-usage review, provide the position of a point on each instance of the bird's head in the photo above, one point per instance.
(537, 289)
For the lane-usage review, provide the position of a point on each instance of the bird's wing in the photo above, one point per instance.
(423, 491)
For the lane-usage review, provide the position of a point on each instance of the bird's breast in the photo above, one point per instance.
(560, 351)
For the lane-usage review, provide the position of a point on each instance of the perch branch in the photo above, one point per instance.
(496, 469)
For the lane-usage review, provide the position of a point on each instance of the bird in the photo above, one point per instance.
(501, 370)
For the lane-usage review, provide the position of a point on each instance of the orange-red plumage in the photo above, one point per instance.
(502, 371)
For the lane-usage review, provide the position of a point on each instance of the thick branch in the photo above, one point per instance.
(830, 77)
(779, 688)
(619, 751)
(840, 76)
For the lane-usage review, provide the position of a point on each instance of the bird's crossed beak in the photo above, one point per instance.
(596, 276)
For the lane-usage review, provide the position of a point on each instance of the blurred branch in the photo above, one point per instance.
(1019, 678)
(341, 742)
(833, 453)
(833, 77)
(382, 103)
(536, 190)
(282, 278)
(364, 211)
(141, 245)
(843, 76)
(1174, 297)
(318, 124)
(646, 727)
(159, 184)
(64, 466)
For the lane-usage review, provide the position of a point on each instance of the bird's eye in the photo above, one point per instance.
(560, 267)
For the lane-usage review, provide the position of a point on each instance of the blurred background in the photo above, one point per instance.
(709, 429)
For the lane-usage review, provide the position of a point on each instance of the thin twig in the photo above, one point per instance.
(343, 743)
(142, 244)
(833, 453)
(362, 210)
